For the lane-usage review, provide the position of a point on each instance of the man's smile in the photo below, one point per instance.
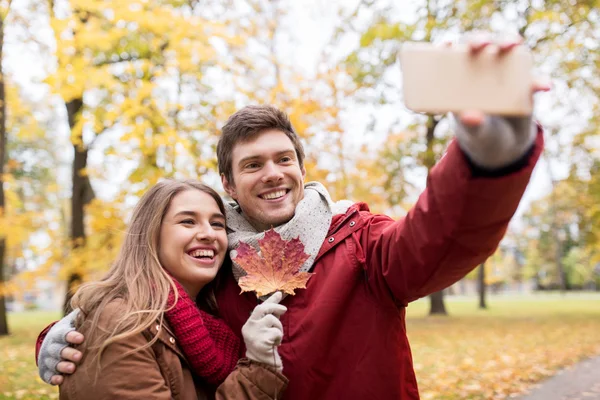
(274, 195)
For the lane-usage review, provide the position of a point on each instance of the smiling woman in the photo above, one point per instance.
(194, 241)
(174, 248)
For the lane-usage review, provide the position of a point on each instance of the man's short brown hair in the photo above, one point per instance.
(247, 123)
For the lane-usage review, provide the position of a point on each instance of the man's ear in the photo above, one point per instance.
(303, 173)
(229, 187)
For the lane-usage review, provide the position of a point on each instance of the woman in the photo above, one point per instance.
(140, 320)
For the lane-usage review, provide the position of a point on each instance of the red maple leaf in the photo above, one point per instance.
(275, 268)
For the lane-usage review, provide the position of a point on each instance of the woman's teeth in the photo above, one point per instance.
(202, 253)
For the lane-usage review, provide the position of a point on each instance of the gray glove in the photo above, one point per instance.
(498, 141)
(54, 342)
(263, 332)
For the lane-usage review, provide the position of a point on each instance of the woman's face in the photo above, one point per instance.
(193, 239)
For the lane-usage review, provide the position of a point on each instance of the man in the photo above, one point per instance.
(345, 335)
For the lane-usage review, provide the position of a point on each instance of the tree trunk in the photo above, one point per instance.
(3, 319)
(436, 303)
(481, 286)
(436, 300)
(3, 149)
(79, 199)
(560, 269)
(463, 287)
(562, 275)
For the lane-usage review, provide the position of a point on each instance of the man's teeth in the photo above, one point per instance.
(274, 195)
(202, 253)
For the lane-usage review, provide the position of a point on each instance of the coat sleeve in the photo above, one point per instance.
(456, 224)
(40, 340)
(134, 376)
(252, 381)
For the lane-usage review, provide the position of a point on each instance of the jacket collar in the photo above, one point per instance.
(342, 226)
(339, 220)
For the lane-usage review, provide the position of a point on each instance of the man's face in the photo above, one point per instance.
(268, 182)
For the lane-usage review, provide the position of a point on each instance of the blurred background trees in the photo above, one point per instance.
(101, 99)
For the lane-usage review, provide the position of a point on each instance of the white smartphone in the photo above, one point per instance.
(438, 79)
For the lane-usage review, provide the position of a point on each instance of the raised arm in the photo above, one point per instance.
(462, 215)
(456, 224)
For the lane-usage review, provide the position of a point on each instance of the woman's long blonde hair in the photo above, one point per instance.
(137, 279)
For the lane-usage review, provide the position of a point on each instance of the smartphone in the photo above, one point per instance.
(438, 79)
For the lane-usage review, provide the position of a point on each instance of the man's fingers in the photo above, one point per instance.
(541, 85)
(505, 48)
(70, 354)
(507, 43)
(477, 40)
(65, 367)
(471, 118)
(477, 46)
(74, 337)
(57, 380)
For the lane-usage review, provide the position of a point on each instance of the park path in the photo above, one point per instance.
(579, 382)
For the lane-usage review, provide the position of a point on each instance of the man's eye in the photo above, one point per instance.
(286, 159)
(252, 165)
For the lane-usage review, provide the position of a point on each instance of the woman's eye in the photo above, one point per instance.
(218, 224)
(187, 221)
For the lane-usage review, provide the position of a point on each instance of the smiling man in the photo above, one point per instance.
(345, 334)
(262, 172)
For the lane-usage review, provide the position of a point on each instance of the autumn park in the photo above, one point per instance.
(102, 99)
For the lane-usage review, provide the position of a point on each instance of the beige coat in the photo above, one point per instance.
(160, 372)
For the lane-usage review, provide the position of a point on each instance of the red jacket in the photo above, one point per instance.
(345, 335)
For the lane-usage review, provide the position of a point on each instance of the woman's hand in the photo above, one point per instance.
(263, 332)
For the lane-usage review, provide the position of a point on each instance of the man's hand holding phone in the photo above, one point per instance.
(487, 85)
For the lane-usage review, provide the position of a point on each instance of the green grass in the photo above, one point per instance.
(472, 354)
(18, 374)
(514, 306)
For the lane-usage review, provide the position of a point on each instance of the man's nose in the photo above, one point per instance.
(272, 172)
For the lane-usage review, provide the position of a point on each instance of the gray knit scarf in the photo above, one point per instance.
(310, 223)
